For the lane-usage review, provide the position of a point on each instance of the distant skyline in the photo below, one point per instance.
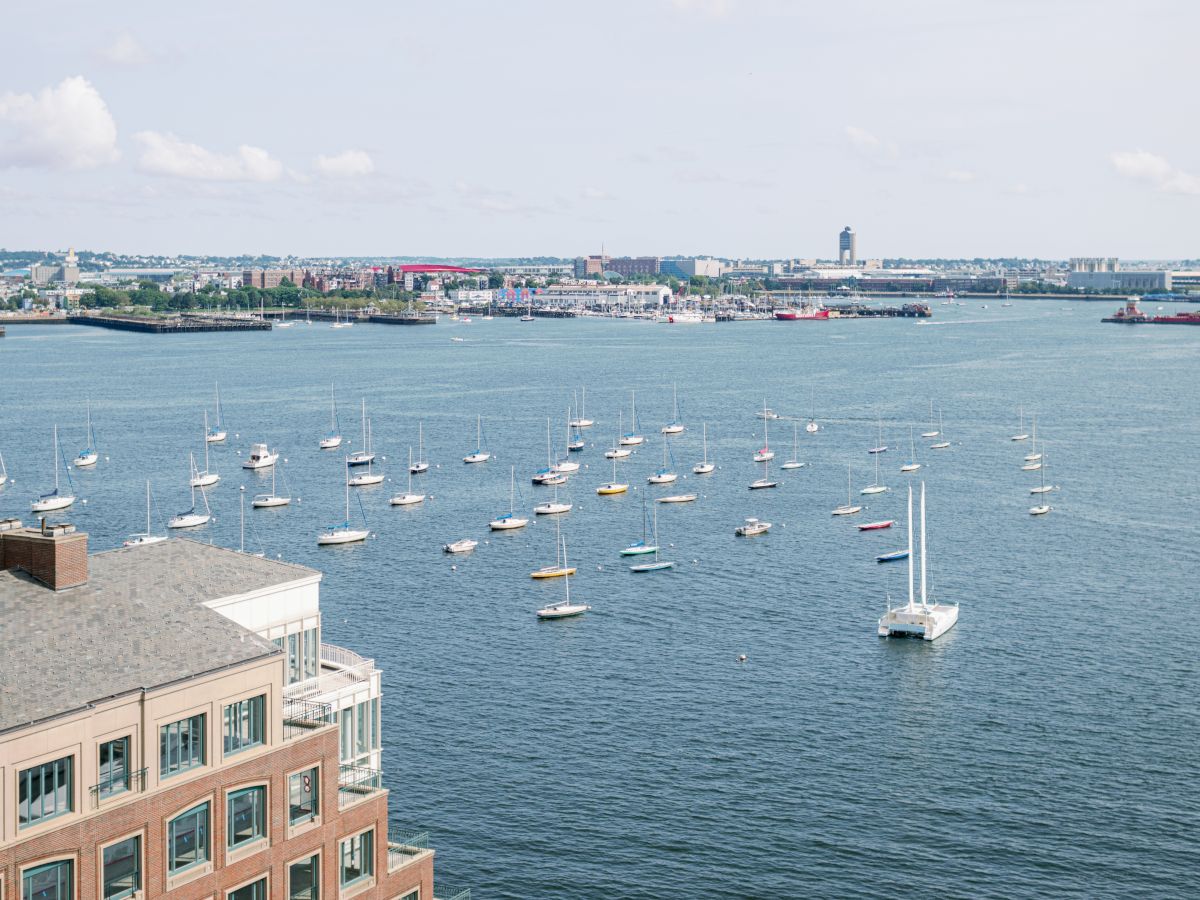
(755, 128)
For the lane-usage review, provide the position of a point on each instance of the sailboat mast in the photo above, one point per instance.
(56, 459)
(923, 600)
(910, 550)
(364, 419)
(705, 433)
(206, 442)
(147, 506)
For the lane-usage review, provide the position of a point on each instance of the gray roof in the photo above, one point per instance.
(137, 623)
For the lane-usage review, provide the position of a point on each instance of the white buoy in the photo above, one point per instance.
(742, 658)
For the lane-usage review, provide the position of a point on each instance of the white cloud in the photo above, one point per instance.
(166, 154)
(593, 193)
(1156, 170)
(713, 8)
(869, 143)
(347, 164)
(960, 176)
(125, 50)
(67, 126)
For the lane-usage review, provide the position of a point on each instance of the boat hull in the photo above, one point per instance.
(677, 498)
(418, 468)
(606, 489)
(269, 502)
(507, 524)
(406, 499)
(616, 454)
(763, 484)
(477, 457)
(460, 546)
(873, 489)
(927, 623)
(550, 509)
(330, 443)
(360, 459)
(553, 572)
(847, 510)
(193, 520)
(364, 480)
(342, 536)
(652, 567)
(876, 526)
(562, 611)
(49, 504)
(86, 460)
(703, 468)
(208, 478)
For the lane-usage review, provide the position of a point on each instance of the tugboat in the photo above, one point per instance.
(1129, 314)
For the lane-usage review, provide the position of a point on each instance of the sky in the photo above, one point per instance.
(738, 128)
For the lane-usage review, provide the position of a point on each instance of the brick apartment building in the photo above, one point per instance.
(271, 278)
(170, 723)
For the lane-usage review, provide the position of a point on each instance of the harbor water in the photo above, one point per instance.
(1046, 746)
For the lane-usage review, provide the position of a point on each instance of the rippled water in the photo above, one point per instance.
(1046, 746)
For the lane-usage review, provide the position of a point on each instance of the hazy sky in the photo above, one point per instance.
(529, 127)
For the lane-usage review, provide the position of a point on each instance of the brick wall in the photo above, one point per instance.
(58, 561)
(149, 814)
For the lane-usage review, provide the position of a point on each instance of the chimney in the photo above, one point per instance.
(55, 555)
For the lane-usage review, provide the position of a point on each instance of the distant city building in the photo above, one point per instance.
(66, 272)
(630, 266)
(265, 279)
(1120, 281)
(639, 296)
(847, 247)
(1095, 264)
(590, 265)
(538, 270)
(689, 267)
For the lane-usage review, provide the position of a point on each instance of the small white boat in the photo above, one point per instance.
(509, 520)
(261, 457)
(677, 498)
(1043, 488)
(333, 438)
(848, 509)
(581, 420)
(566, 609)
(364, 456)
(765, 482)
(881, 447)
(614, 486)
(88, 455)
(408, 498)
(565, 465)
(1033, 455)
(926, 621)
(54, 500)
(344, 532)
(370, 476)
(657, 565)
(812, 427)
(644, 546)
(617, 451)
(942, 444)
(674, 426)
(1020, 435)
(552, 507)
(421, 464)
(146, 537)
(932, 432)
(271, 500)
(191, 518)
(705, 467)
(217, 433)
(765, 453)
(466, 545)
(663, 475)
(794, 462)
(751, 527)
(912, 465)
(3, 471)
(632, 438)
(480, 455)
(766, 413)
(875, 487)
(207, 477)
(1031, 466)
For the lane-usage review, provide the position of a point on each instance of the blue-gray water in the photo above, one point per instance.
(1045, 747)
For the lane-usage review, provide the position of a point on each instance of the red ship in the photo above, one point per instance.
(1130, 314)
(804, 312)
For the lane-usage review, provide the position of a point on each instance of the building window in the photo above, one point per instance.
(114, 767)
(360, 733)
(53, 881)
(303, 796)
(412, 895)
(44, 792)
(181, 746)
(247, 816)
(122, 868)
(244, 724)
(303, 653)
(254, 891)
(187, 839)
(304, 879)
(358, 862)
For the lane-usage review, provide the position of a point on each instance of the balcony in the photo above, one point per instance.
(407, 847)
(133, 782)
(356, 783)
(303, 717)
(340, 669)
(449, 892)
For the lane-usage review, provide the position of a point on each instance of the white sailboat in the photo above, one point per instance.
(614, 486)
(704, 467)
(480, 455)
(582, 421)
(362, 479)
(674, 426)
(1043, 488)
(333, 439)
(190, 518)
(566, 609)
(927, 620)
(408, 498)
(751, 527)
(146, 537)
(3, 470)
(875, 487)
(88, 456)
(217, 433)
(261, 457)
(54, 500)
(765, 453)
(343, 533)
(266, 501)
(617, 451)
(881, 447)
(794, 462)
(207, 477)
(941, 432)
(565, 466)
(1033, 455)
(812, 427)
(642, 547)
(1020, 435)
(766, 481)
(509, 520)
(632, 438)
(560, 569)
(1040, 509)
(932, 432)
(364, 456)
(422, 464)
(848, 509)
(659, 564)
(912, 465)
(663, 475)
(552, 507)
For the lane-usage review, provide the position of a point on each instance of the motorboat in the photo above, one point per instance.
(751, 527)
(260, 457)
(926, 621)
(465, 545)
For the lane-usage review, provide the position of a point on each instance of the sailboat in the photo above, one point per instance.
(146, 537)
(480, 455)
(333, 439)
(582, 421)
(663, 475)
(54, 500)
(766, 452)
(560, 569)
(794, 462)
(614, 486)
(927, 620)
(765, 481)
(674, 426)
(409, 498)
(3, 471)
(565, 465)
(875, 487)
(812, 427)
(881, 447)
(217, 433)
(659, 564)
(266, 501)
(1043, 488)
(552, 507)
(617, 451)
(575, 443)
(912, 465)
(1033, 455)
(751, 527)
(1041, 509)
(632, 438)
(189, 518)
(848, 509)
(422, 464)
(88, 456)
(343, 533)
(364, 456)
(566, 608)
(942, 444)
(642, 547)
(705, 467)
(932, 432)
(1020, 435)
(509, 520)
(205, 478)
(363, 479)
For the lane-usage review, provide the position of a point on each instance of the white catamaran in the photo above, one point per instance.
(924, 620)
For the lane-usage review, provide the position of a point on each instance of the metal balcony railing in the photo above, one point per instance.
(132, 782)
(448, 892)
(404, 847)
(348, 668)
(357, 783)
(301, 717)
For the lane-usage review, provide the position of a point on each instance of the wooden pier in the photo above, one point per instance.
(187, 323)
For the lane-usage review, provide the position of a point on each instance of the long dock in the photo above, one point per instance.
(183, 324)
(403, 318)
